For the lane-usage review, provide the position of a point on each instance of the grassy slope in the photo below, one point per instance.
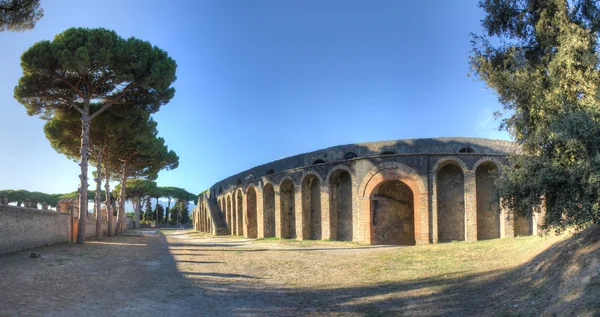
(526, 276)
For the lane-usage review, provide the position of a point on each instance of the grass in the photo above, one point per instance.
(492, 277)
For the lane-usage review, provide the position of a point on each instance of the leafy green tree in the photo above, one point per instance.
(140, 156)
(184, 212)
(175, 193)
(93, 69)
(541, 59)
(172, 212)
(160, 211)
(19, 15)
(149, 214)
(137, 191)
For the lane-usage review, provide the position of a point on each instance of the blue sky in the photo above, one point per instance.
(262, 80)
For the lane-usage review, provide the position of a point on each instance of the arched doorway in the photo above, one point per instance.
(240, 216)
(450, 190)
(488, 208)
(340, 200)
(251, 216)
(311, 207)
(287, 205)
(228, 215)
(392, 214)
(269, 210)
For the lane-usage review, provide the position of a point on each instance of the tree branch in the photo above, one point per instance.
(110, 103)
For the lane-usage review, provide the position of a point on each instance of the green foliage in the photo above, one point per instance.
(149, 214)
(19, 196)
(541, 59)
(137, 189)
(173, 214)
(140, 152)
(82, 66)
(161, 213)
(19, 15)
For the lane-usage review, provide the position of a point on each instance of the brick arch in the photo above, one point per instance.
(448, 160)
(251, 212)
(287, 209)
(450, 197)
(489, 215)
(340, 167)
(341, 199)
(266, 182)
(396, 171)
(240, 197)
(390, 169)
(277, 186)
(309, 172)
(488, 159)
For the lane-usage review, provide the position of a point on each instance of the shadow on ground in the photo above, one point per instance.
(140, 275)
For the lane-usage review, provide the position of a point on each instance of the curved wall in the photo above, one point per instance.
(336, 193)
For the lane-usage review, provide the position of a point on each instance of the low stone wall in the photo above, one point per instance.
(24, 228)
(90, 226)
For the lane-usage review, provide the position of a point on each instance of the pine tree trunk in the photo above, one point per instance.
(85, 143)
(98, 202)
(156, 212)
(167, 212)
(138, 207)
(109, 212)
(121, 207)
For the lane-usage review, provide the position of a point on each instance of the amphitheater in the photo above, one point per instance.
(402, 192)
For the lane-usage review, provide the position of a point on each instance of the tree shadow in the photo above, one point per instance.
(562, 280)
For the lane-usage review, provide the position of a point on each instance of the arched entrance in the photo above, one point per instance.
(388, 192)
(450, 191)
(392, 214)
(340, 200)
(269, 210)
(288, 216)
(228, 215)
(311, 207)
(240, 212)
(488, 209)
(251, 216)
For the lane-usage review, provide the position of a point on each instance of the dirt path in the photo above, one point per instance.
(150, 274)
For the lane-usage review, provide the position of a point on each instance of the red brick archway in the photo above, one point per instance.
(406, 175)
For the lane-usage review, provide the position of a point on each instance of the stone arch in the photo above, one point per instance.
(446, 160)
(318, 161)
(415, 194)
(350, 155)
(485, 159)
(251, 220)
(311, 206)
(269, 210)
(232, 215)
(340, 180)
(287, 202)
(449, 191)
(228, 214)
(488, 208)
(240, 212)
(389, 169)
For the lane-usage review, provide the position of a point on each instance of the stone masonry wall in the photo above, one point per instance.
(24, 228)
(310, 196)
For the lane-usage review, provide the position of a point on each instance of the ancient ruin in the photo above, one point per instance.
(402, 192)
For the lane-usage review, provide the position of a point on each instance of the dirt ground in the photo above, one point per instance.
(147, 273)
